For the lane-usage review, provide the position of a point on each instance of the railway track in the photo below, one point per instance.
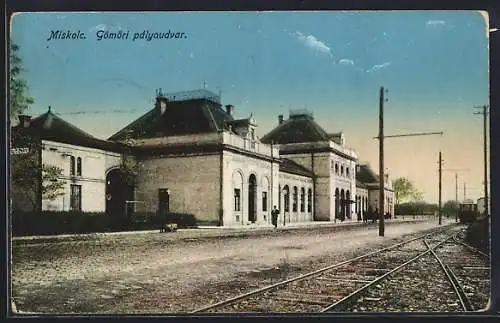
(329, 288)
(468, 270)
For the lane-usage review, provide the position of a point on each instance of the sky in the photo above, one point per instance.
(434, 65)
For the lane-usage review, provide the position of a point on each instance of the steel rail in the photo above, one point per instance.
(359, 290)
(471, 248)
(310, 274)
(457, 287)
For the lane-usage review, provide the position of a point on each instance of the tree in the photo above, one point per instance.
(20, 101)
(26, 173)
(129, 168)
(450, 207)
(52, 186)
(405, 190)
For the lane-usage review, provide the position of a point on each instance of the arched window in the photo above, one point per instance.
(286, 198)
(295, 198)
(336, 168)
(72, 166)
(79, 166)
(342, 170)
(309, 200)
(347, 171)
(302, 199)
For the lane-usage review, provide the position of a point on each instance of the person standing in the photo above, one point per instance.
(274, 216)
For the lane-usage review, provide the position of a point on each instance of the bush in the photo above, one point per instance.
(67, 222)
(60, 222)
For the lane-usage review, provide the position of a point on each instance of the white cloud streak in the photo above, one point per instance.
(314, 44)
(378, 67)
(346, 61)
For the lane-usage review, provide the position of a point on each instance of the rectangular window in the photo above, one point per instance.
(237, 200)
(264, 201)
(76, 198)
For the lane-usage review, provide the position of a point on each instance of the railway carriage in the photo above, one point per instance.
(467, 211)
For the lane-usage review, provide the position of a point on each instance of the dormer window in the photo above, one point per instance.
(252, 133)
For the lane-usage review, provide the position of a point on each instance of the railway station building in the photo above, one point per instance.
(193, 155)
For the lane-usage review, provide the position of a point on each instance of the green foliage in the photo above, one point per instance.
(20, 101)
(415, 208)
(450, 207)
(405, 190)
(25, 169)
(52, 186)
(129, 168)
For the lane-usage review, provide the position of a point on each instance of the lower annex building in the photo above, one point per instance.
(193, 156)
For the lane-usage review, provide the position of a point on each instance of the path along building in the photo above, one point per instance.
(192, 155)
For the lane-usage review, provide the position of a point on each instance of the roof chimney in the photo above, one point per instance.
(280, 119)
(161, 102)
(24, 120)
(230, 109)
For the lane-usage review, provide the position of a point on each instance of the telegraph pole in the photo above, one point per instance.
(485, 150)
(456, 197)
(464, 191)
(380, 137)
(440, 162)
(381, 165)
(456, 186)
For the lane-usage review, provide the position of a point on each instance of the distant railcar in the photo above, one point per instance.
(467, 211)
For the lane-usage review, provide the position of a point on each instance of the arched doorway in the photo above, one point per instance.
(117, 193)
(252, 198)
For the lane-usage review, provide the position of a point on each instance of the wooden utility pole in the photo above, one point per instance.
(465, 194)
(440, 162)
(381, 197)
(380, 137)
(456, 197)
(485, 151)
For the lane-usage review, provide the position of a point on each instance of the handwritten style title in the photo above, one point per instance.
(101, 35)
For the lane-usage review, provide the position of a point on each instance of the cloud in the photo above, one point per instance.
(313, 43)
(346, 61)
(378, 67)
(435, 23)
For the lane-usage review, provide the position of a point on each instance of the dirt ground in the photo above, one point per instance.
(157, 273)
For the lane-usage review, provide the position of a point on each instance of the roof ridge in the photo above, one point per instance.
(207, 107)
(273, 131)
(132, 124)
(319, 130)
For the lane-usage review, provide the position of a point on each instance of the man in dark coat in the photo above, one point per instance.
(274, 216)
